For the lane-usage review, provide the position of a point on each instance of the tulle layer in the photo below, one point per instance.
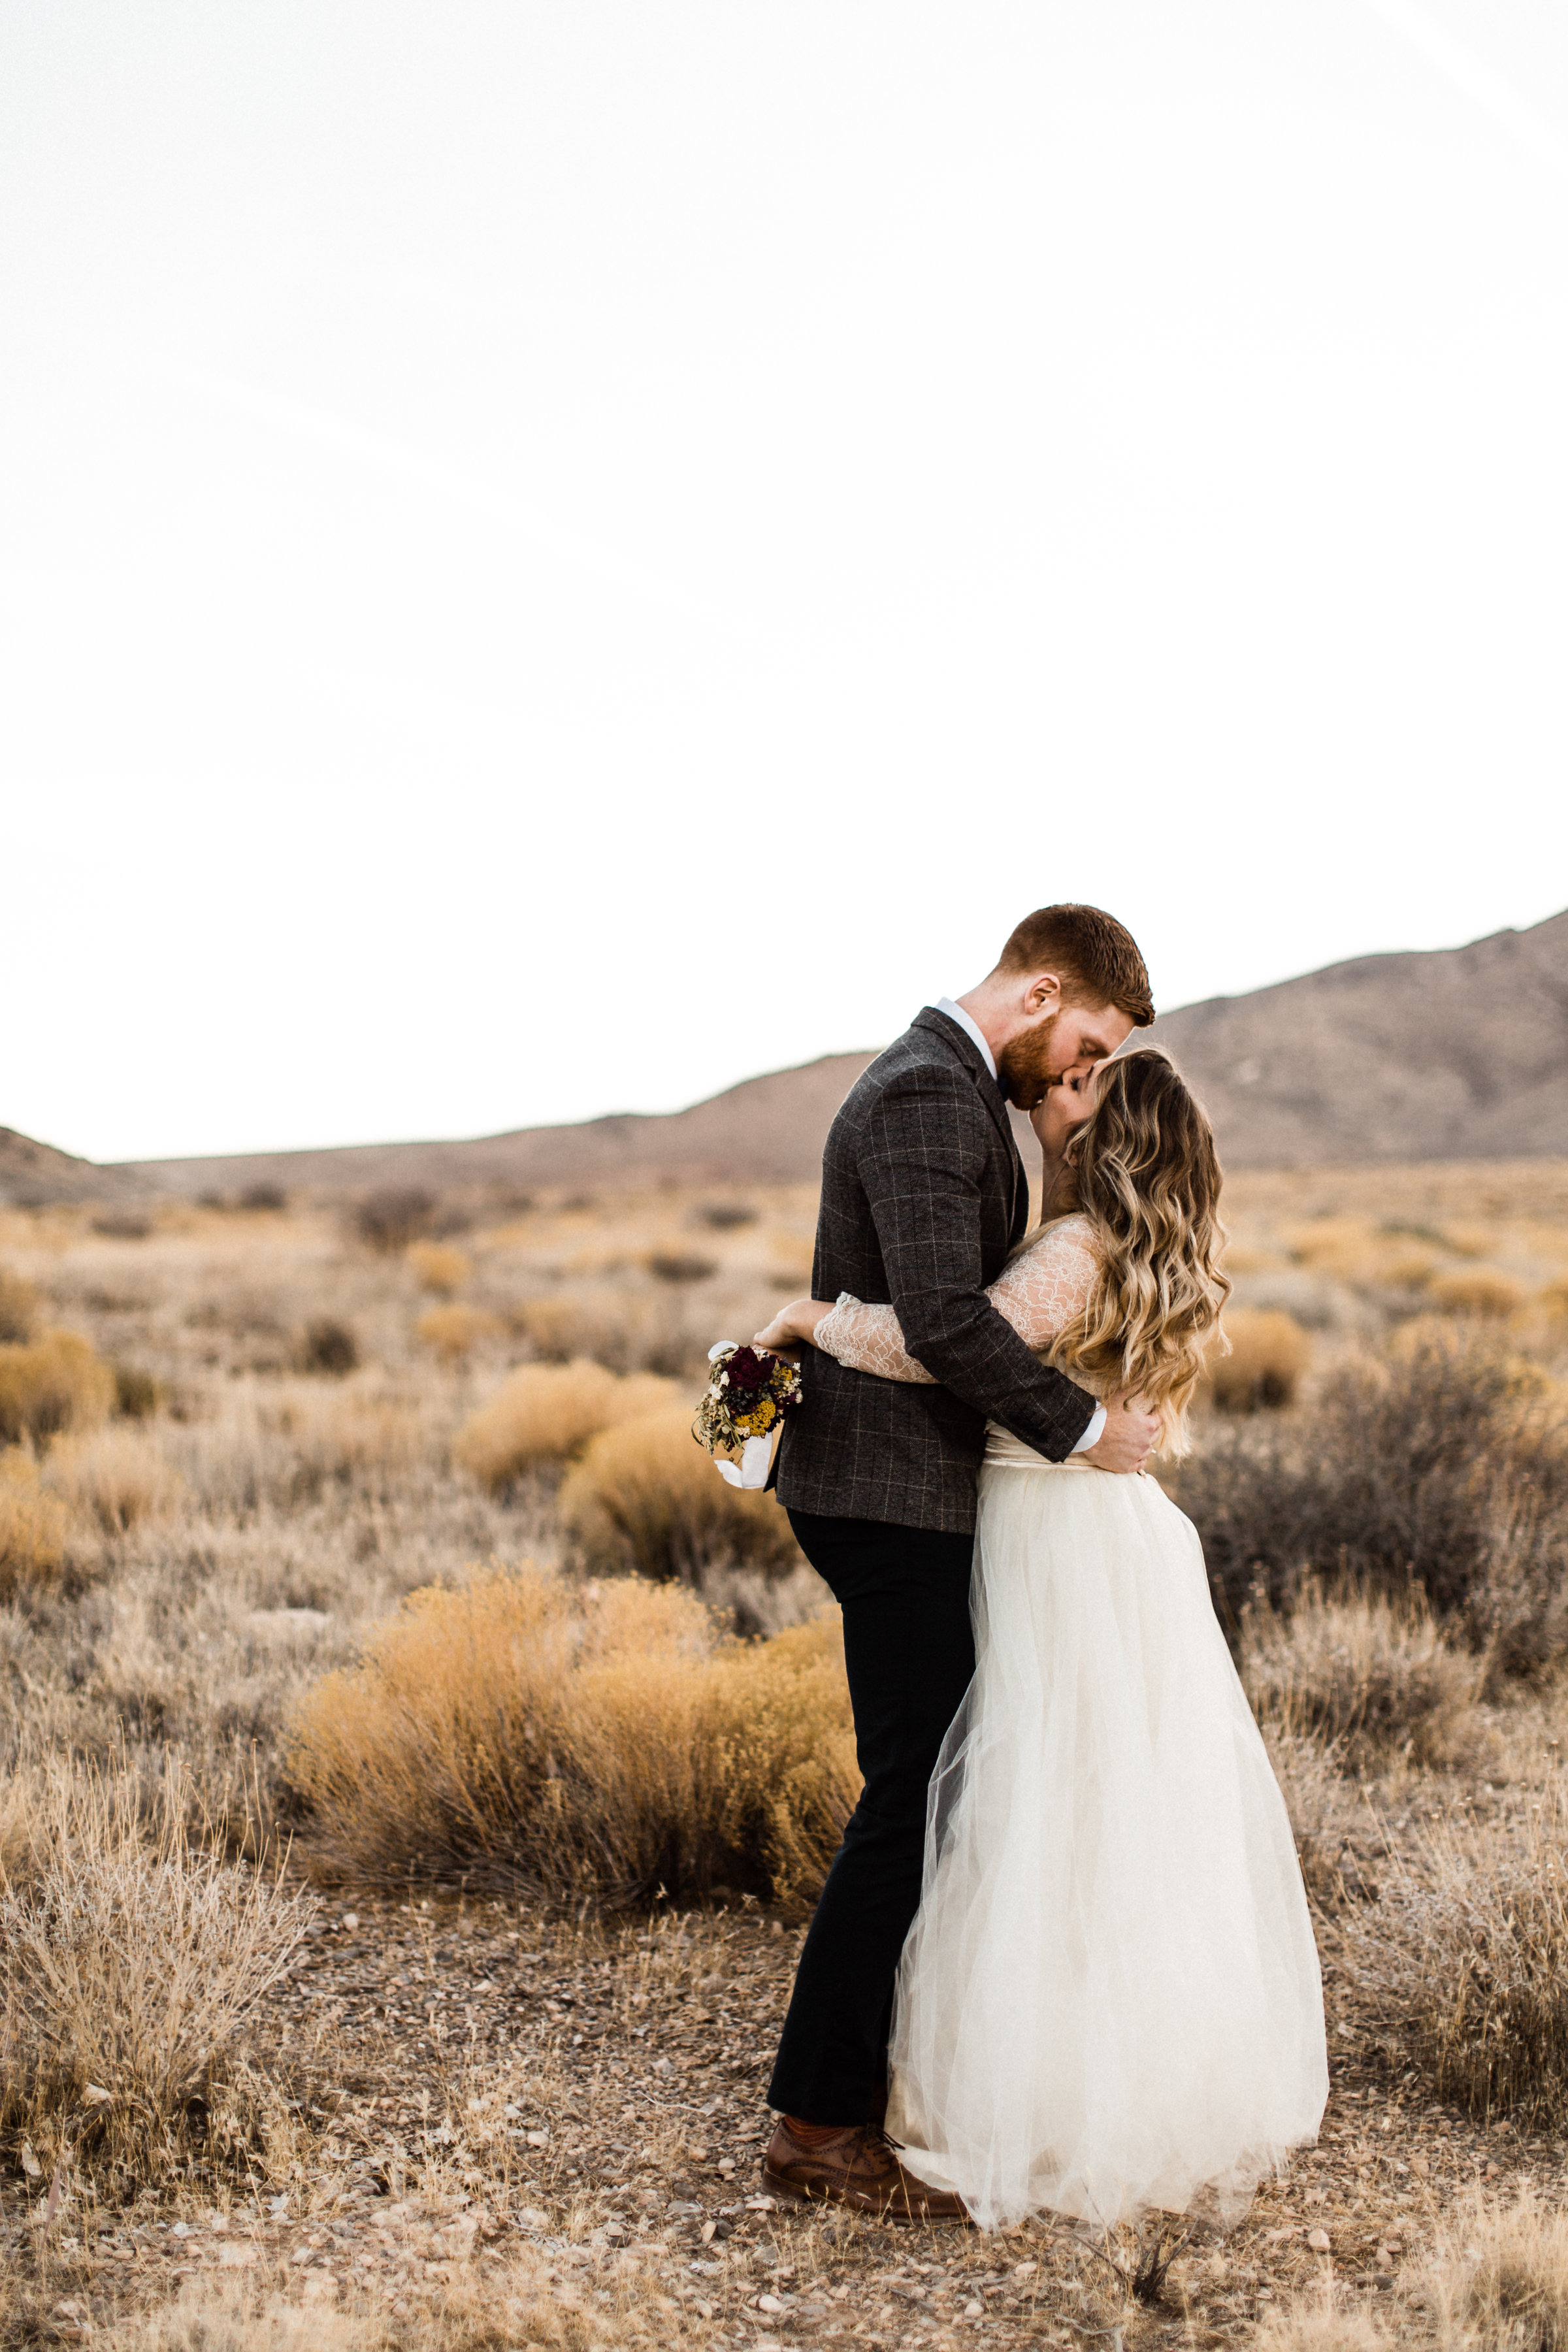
(1110, 1997)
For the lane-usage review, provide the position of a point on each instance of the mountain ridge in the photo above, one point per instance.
(1441, 1054)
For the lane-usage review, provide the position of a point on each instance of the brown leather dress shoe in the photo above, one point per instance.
(860, 2169)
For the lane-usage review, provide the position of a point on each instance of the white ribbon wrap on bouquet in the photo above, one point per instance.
(755, 1455)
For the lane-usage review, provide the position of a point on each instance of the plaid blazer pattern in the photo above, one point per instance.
(923, 1196)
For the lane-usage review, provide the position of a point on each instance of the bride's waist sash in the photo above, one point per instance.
(1005, 1452)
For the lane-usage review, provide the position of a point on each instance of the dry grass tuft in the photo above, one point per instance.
(602, 1742)
(1476, 1290)
(349, 1429)
(1466, 1950)
(328, 1346)
(129, 1964)
(546, 1412)
(440, 1266)
(52, 1383)
(1269, 1353)
(1500, 2279)
(113, 1477)
(1322, 2322)
(34, 1525)
(19, 1309)
(1367, 1671)
(646, 1497)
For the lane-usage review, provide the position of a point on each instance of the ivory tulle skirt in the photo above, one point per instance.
(1109, 1999)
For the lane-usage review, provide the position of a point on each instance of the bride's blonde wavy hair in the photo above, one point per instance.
(1148, 1177)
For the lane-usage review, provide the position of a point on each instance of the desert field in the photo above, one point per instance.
(419, 1767)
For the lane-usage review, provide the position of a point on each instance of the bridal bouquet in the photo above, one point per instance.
(749, 1390)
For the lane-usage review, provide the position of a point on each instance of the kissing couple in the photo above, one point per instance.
(1062, 1961)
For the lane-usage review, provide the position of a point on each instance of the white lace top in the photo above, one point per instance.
(1039, 1292)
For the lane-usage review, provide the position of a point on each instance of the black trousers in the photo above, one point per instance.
(909, 1652)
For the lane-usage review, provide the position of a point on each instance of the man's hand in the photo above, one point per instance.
(1131, 1435)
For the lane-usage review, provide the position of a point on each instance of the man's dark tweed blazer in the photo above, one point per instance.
(924, 1194)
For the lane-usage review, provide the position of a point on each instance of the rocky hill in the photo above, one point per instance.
(1461, 1054)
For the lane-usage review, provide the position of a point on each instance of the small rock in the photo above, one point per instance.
(706, 2232)
(1025, 2270)
(321, 2286)
(533, 2219)
(238, 2257)
(1319, 2240)
(181, 2230)
(351, 1920)
(974, 2308)
(35, 2171)
(537, 2139)
(771, 2303)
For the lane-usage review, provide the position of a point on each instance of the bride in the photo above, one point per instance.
(1109, 1999)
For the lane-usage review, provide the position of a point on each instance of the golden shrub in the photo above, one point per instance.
(34, 1525)
(113, 1475)
(439, 1266)
(51, 1383)
(566, 1331)
(456, 1331)
(546, 1412)
(1498, 2279)
(646, 1496)
(1269, 1353)
(600, 1741)
(1476, 1290)
(18, 1309)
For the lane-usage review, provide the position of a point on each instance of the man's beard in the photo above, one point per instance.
(1026, 1066)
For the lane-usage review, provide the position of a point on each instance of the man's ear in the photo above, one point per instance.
(1044, 994)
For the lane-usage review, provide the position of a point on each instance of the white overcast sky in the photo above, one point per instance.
(555, 555)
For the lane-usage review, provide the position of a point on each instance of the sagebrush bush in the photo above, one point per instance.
(680, 1266)
(1269, 1353)
(19, 1309)
(114, 1476)
(439, 1266)
(328, 1346)
(1466, 1949)
(51, 1383)
(724, 1216)
(34, 1525)
(137, 1395)
(646, 1497)
(455, 1331)
(1369, 1671)
(347, 1430)
(546, 1412)
(391, 1217)
(603, 1741)
(130, 1962)
(1440, 1458)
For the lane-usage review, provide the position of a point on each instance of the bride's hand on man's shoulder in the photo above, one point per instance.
(1129, 1436)
(790, 1324)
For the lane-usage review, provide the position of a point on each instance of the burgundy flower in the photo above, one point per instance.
(745, 1370)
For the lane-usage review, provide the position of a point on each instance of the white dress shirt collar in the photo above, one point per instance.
(970, 1028)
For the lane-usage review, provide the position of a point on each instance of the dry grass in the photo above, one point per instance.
(1467, 1946)
(19, 1309)
(52, 1383)
(1269, 1353)
(455, 1331)
(1499, 2281)
(546, 1412)
(1369, 1672)
(35, 1525)
(1477, 1290)
(115, 1476)
(440, 1266)
(606, 1741)
(646, 1497)
(130, 1963)
(1321, 2321)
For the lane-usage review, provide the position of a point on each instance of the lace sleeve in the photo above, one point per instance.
(1039, 1294)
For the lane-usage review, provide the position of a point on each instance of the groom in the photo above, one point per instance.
(923, 1196)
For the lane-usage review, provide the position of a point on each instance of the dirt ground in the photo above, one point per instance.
(476, 2083)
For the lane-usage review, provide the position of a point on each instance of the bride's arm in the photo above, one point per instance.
(1038, 1292)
